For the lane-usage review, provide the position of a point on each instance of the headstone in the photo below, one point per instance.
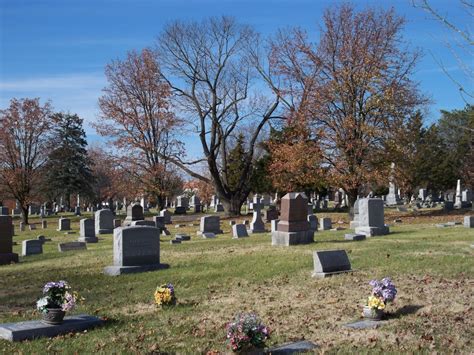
(87, 230)
(355, 222)
(134, 213)
(371, 217)
(257, 225)
(365, 324)
(32, 226)
(44, 224)
(423, 194)
(231, 223)
(208, 235)
(325, 223)
(175, 241)
(6, 241)
(469, 221)
(270, 214)
(274, 225)
(22, 226)
(159, 222)
(210, 224)
(239, 231)
(31, 247)
(167, 215)
(182, 201)
(72, 246)
(4, 211)
(354, 237)
(144, 223)
(77, 211)
(180, 210)
(293, 227)
(219, 208)
(448, 205)
(182, 237)
(31, 330)
(165, 232)
(313, 222)
(299, 347)
(466, 197)
(43, 239)
(330, 262)
(117, 223)
(458, 200)
(64, 224)
(104, 221)
(136, 249)
(393, 198)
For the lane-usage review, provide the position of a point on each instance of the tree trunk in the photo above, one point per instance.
(233, 204)
(24, 214)
(352, 195)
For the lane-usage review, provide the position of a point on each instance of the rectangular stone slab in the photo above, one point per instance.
(364, 324)
(71, 246)
(36, 329)
(298, 347)
(329, 262)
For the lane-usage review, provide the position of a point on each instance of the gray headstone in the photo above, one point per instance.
(257, 225)
(180, 210)
(144, 223)
(371, 217)
(44, 224)
(43, 239)
(87, 231)
(6, 241)
(30, 330)
(354, 237)
(330, 262)
(72, 246)
(210, 224)
(31, 247)
(325, 223)
(365, 324)
(4, 211)
(167, 215)
(175, 241)
(117, 223)
(64, 224)
(32, 226)
(469, 221)
(208, 235)
(313, 222)
(136, 249)
(270, 214)
(274, 225)
(134, 213)
(239, 231)
(298, 347)
(104, 221)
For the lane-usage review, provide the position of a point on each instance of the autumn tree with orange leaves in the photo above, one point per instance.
(137, 117)
(24, 132)
(353, 87)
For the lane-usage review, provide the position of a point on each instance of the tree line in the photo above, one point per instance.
(274, 114)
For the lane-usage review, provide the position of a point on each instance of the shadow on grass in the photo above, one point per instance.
(404, 311)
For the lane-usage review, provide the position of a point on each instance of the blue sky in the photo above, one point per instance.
(57, 49)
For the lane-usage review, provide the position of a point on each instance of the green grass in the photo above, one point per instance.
(215, 279)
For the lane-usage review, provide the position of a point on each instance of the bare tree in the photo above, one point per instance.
(136, 115)
(24, 128)
(208, 66)
(461, 46)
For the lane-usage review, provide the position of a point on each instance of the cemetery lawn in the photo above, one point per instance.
(432, 268)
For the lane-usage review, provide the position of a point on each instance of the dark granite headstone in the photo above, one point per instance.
(6, 241)
(31, 247)
(330, 262)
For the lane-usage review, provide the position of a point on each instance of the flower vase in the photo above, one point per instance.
(372, 313)
(53, 316)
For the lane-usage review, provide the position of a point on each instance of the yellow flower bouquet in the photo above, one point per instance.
(164, 295)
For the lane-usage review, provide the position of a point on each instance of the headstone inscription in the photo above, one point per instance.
(330, 262)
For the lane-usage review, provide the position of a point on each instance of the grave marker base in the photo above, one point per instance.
(36, 328)
(364, 324)
(119, 270)
(322, 275)
(298, 347)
